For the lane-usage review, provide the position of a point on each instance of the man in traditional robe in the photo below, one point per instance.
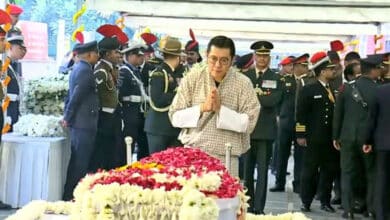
(215, 105)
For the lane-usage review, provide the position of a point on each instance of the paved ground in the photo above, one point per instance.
(276, 203)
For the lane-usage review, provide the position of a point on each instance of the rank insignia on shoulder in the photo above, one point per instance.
(99, 81)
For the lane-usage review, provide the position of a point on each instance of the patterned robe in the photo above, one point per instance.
(236, 93)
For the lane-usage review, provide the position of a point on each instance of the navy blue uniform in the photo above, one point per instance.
(13, 91)
(133, 97)
(314, 122)
(81, 113)
(160, 132)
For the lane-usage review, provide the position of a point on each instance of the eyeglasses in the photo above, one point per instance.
(224, 61)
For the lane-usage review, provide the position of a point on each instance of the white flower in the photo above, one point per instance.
(39, 126)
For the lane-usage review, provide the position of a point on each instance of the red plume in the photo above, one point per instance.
(149, 38)
(318, 56)
(336, 45)
(4, 17)
(109, 30)
(79, 37)
(194, 42)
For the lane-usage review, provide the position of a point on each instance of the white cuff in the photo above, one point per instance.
(231, 120)
(186, 118)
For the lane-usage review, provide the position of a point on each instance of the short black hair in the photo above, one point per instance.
(366, 68)
(222, 42)
(352, 56)
(349, 70)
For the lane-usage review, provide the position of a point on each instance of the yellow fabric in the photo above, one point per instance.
(330, 95)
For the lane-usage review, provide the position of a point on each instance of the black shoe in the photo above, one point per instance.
(347, 215)
(327, 208)
(305, 208)
(259, 213)
(277, 189)
(288, 173)
(336, 201)
(4, 206)
(369, 215)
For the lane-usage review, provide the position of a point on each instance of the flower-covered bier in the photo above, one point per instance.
(171, 184)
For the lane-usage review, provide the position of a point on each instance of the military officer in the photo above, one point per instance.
(109, 142)
(245, 62)
(4, 18)
(287, 124)
(286, 65)
(16, 52)
(350, 122)
(268, 88)
(385, 76)
(314, 133)
(192, 51)
(162, 89)
(81, 116)
(133, 96)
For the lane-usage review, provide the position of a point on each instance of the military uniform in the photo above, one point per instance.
(81, 114)
(350, 124)
(109, 150)
(15, 85)
(4, 18)
(314, 123)
(268, 88)
(13, 91)
(162, 89)
(133, 97)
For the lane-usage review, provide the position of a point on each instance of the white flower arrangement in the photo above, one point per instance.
(46, 95)
(39, 126)
(115, 201)
(37, 209)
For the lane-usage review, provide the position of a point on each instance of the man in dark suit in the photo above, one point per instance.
(378, 136)
(314, 134)
(350, 123)
(268, 88)
(163, 84)
(133, 96)
(81, 116)
(287, 124)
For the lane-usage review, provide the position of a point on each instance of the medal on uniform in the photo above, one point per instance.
(258, 90)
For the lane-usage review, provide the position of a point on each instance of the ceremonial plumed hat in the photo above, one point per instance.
(287, 60)
(321, 59)
(303, 59)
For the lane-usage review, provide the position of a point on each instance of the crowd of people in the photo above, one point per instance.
(331, 113)
(12, 49)
(323, 109)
